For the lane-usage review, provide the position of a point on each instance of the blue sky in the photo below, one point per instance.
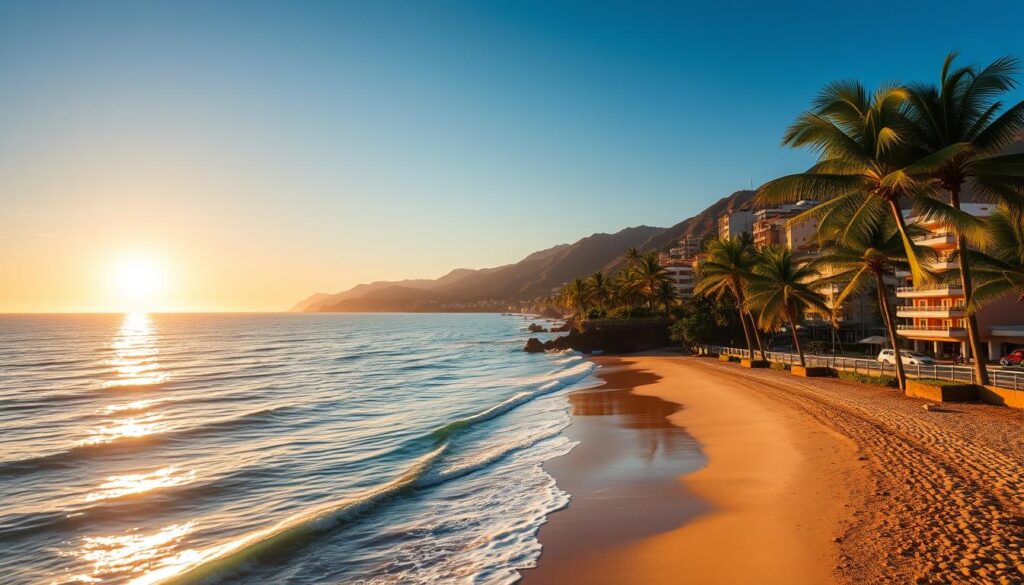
(327, 144)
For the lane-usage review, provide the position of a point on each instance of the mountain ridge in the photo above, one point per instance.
(535, 275)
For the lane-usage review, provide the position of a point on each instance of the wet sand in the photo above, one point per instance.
(623, 476)
(767, 506)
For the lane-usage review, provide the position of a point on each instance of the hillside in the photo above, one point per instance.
(534, 276)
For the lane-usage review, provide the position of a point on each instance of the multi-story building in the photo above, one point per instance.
(688, 247)
(734, 223)
(931, 317)
(770, 225)
(678, 262)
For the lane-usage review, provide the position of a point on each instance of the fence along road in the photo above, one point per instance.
(1011, 380)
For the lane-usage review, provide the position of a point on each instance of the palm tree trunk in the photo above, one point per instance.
(743, 321)
(890, 327)
(757, 335)
(973, 337)
(796, 340)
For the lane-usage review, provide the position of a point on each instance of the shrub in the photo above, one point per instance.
(888, 381)
(935, 382)
(780, 366)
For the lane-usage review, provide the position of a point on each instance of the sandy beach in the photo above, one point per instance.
(806, 481)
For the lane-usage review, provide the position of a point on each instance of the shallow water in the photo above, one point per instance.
(281, 448)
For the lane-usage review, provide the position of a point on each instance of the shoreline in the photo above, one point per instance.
(759, 506)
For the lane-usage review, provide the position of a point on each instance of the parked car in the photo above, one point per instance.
(1014, 358)
(909, 358)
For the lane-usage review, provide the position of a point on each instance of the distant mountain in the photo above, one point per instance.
(534, 276)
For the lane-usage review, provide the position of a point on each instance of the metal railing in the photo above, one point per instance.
(951, 287)
(1012, 380)
(928, 328)
(924, 309)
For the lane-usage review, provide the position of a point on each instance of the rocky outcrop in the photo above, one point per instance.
(533, 345)
(612, 336)
(534, 328)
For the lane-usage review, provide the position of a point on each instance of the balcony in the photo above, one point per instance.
(937, 240)
(911, 311)
(930, 290)
(931, 332)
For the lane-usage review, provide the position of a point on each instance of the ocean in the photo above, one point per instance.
(276, 448)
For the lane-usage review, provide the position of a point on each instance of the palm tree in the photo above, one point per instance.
(856, 258)
(649, 275)
(600, 289)
(632, 256)
(746, 240)
(666, 295)
(864, 142)
(782, 290)
(960, 126)
(574, 296)
(1001, 271)
(726, 271)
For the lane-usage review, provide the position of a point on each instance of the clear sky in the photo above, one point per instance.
(255, 152)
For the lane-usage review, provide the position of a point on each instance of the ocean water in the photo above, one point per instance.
(278, 448)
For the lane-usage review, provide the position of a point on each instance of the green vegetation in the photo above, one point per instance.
(726, 271)
(640, 290)
(782, 290)
(869, 379)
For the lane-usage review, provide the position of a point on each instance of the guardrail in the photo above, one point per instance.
(928, 328)
(926, 287)
(926, 309)
(1011, 380)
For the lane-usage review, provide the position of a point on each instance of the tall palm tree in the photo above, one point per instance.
(649, 275)
(782, 290)
(600, 289)
(865, 142)
(746, 241)
(960, 125)
(1001, 271)
(857, 258)
(726, 270)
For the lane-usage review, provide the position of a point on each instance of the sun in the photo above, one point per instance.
(138, 279)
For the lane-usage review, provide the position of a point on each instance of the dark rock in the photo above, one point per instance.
(533, 345)
(615, 336)
(534, 328)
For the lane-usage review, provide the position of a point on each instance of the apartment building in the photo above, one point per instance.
(931, 317)
(678, 262)
(770, 225)
(732, 224)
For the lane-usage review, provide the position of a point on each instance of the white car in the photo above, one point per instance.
(909, 358)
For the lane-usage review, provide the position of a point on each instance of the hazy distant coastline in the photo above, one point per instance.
(510, 287)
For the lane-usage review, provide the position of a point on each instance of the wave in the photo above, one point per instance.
(73, 455)
(224, 560)
(426, 471)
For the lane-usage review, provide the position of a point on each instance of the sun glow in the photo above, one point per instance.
(138, 281)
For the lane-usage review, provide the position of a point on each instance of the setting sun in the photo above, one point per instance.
(138, 279)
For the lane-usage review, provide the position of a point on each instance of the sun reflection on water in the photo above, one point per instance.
(135, 353)
(131, 554)
(117, 486)
(126, 428)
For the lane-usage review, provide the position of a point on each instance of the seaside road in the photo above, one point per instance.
(945, 502)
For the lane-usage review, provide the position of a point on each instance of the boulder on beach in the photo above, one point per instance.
(533, 345)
